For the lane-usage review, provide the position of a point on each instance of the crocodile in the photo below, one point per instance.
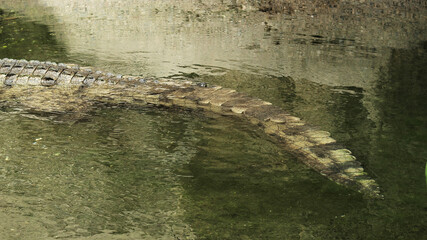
(52, 87)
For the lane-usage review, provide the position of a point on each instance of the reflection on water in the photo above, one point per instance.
(400, 135)
(330, 45)
(354, 69)
(27, 39)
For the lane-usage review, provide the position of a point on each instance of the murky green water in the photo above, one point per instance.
(170, 174)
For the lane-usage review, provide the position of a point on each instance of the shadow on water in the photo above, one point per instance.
(24, 39)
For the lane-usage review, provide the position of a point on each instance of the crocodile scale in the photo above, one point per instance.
(38, 85)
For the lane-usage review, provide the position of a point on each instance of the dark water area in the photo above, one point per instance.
(159, 173)
(23, 39)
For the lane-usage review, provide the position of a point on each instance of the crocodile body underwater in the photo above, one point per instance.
(51, 87)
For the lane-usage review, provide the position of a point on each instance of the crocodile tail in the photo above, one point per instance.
(315, 148)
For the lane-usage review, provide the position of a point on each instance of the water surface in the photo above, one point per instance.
(166, 173)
